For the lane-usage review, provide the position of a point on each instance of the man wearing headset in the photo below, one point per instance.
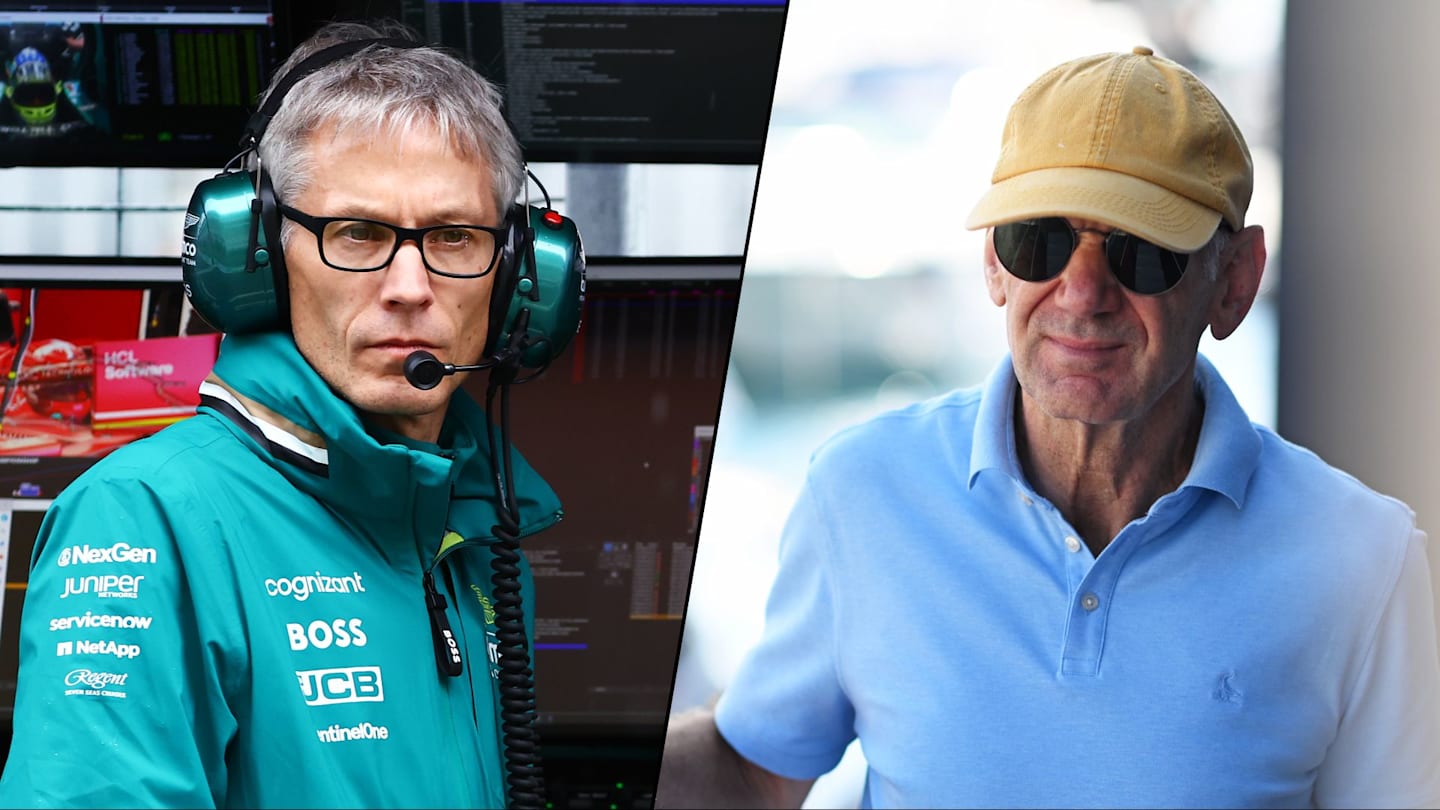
(288, 599)
(1092, 581)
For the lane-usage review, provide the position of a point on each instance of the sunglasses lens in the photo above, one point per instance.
(1035, 250)
(1142, 267)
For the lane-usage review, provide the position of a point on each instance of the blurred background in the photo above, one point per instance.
(863, 291)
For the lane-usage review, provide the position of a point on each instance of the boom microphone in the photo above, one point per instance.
(424, 371)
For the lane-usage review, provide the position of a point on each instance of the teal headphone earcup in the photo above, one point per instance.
(542, 273)
(233, 276)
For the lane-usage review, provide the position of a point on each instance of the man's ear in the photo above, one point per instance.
(1241, 266)
(994, 273)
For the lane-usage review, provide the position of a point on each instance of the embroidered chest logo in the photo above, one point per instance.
(484, 605)
(1227, 689)
(492, 641)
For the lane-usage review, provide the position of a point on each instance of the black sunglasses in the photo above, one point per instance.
(1039, 249)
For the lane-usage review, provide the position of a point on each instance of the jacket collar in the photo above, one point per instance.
(269, 394)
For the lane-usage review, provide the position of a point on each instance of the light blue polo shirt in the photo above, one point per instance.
(1263, 637)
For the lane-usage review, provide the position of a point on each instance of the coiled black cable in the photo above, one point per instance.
(524, 774)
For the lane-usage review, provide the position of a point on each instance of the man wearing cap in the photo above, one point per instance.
(1091, 581)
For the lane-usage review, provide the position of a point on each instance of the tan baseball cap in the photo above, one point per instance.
(1131, 140)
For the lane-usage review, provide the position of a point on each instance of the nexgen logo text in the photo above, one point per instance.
(118, 553)
(323, 687)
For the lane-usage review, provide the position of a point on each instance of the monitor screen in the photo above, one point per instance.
(674, 81)
(130, 83)
(172, 84)
(621, 426)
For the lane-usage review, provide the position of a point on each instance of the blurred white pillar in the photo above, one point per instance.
(1360, 301)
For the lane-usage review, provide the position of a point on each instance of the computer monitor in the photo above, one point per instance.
(130, 83)
(622, 428)
(610, 81)
(171, 84)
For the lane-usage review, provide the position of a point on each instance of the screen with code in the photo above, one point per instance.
(646, 82)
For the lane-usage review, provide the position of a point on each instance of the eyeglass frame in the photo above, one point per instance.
(316, 226)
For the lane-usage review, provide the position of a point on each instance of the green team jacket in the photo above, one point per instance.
(231, 613)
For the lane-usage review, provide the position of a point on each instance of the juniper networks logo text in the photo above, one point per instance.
(91, 620)
(112, 586)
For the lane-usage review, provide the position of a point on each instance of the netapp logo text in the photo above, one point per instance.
(321, 634)
(302, 586)
(323, 687)
(101, 620)
(124, 586)
(118, 553)
(364, 731)
(97, 648)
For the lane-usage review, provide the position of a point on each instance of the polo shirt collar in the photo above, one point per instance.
(1226, 453)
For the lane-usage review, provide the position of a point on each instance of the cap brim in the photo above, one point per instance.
(1122, 201)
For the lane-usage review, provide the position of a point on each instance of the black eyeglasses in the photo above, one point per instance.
(363, 245)
(1039, 249)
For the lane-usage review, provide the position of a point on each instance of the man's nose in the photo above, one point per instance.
(1086, 285)
(407, 281)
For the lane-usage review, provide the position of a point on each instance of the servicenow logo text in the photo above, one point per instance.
(101, 620)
